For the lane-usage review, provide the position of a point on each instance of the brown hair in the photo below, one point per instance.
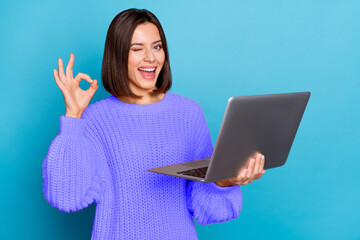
(114, 71)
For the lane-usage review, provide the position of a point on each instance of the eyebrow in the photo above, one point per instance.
(143, 44)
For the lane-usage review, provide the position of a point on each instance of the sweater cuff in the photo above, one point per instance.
(70, 125)
(211, 187)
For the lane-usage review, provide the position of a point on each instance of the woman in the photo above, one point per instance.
(103, 150)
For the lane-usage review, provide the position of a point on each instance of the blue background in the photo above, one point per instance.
(217, 50)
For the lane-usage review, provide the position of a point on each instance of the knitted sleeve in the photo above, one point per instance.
(70, 171)
(208, 202)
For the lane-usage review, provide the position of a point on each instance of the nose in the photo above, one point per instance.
(149, 56)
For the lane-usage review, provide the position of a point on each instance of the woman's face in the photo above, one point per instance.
(146, 58)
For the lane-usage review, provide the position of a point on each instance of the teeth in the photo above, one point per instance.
(147, 69)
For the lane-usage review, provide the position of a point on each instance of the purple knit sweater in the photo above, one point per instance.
(103, 157)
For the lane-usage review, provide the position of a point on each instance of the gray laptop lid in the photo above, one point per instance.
(264, 123)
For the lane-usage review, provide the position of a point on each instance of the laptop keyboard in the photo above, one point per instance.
(196, 172)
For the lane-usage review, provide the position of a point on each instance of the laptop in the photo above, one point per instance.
(257, 123)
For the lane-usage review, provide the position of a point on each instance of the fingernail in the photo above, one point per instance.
(252, 160)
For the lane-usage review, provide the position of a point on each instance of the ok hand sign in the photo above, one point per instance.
(76, 99)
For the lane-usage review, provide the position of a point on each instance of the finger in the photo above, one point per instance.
(244, 182)
(69, 67)
(240, 178)
(250, 168)
(61, 70)
(260, 175)
(262, 165)
(80, 76)
(257, 165)
(243, 174)
(57, 80)
(255, 173)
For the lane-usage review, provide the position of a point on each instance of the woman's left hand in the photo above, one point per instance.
(254, 171)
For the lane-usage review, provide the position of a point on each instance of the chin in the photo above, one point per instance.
(149, 84)
(146, 83)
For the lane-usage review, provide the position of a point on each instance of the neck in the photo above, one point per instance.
(146, 99)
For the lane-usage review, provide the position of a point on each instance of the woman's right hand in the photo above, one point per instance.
(76, 99)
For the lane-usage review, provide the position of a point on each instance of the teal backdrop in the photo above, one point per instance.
(218, 49)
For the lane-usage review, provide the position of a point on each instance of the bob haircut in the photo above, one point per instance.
(114, 70)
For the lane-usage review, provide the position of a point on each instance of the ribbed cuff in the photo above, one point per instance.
(70, 125)
(211, 187)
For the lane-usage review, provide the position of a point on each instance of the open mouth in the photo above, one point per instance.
(147, 73)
